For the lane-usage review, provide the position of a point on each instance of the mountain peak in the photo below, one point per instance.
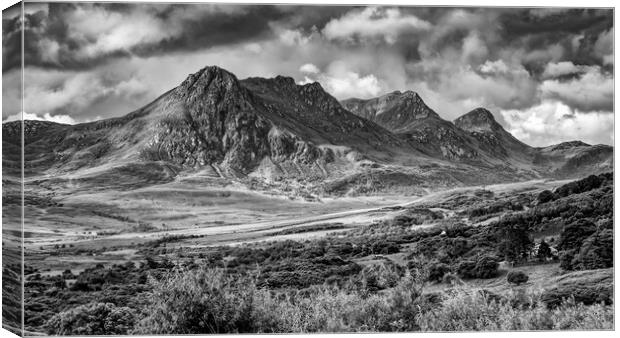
(477, 120)
(207, 77)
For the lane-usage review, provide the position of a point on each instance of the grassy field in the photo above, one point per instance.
(414, 258)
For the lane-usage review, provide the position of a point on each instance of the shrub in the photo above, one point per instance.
(586, 294)
(452, 279)
(566, 259)
(466, 269)
(483, 267)
(92, 319)
(478, 311)
(486, 267)
(437, 271)
(517, 277)
(545, 196)
(202, 301)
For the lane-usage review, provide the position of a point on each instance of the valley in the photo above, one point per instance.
(360, 207)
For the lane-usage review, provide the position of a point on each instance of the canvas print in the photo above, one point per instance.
(199, 168)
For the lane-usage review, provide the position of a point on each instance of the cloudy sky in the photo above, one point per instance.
(546, 74)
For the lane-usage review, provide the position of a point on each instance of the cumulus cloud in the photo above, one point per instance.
(559, 69)
(374, 22)
(591, 91)
(342, 82)
(604, 46)
(64, 119)
(552, 122)
(86, 60)
(309, 69)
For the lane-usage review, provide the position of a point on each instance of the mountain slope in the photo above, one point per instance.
(279, 133)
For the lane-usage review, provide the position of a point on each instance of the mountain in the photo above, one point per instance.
(492, 137)
(406, 115)
(395, 111)
(276, 133)
(476, 137)
(575, 158)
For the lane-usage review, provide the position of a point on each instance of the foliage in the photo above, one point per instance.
(478, 311)
(437, 271)
(483, 267)
(202, 301)
(514, 239)
(596, 252)
(589, 183)
(545, 196)
(517, 277)
(544, 251)
(93, 319)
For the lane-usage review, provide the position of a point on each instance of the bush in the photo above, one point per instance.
(93, 319)
(203, 301)
(545, 196)
(483, 267)
(479, 311)
(437, 271)
(486, 267)
(466, 269)
(517, 277)
(586, 294)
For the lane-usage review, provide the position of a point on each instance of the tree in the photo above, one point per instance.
(575, 233)
(544, 251)
(517, 277)
(597, 251)
(514, 239)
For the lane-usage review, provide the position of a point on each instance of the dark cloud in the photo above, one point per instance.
(91, 60)
(54, 40)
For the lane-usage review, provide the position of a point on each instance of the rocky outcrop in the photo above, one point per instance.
(478, 120)
(395, 111)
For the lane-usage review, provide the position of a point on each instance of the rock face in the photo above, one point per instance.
(215, 122)
(478, 120)
(276, 130)
(406, 115)
(395, 111)
(492, 137)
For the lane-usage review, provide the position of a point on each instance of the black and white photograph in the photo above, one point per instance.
(196, 168)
